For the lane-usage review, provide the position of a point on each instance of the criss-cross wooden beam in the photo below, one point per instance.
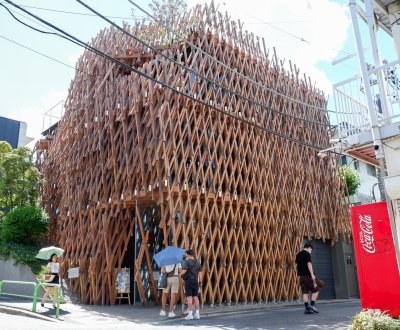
(242, 198)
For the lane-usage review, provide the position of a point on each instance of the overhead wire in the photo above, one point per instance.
(195, 72)
(142, 74)
(37, 52)
(75, 13)
(228, 67)
(35, 29)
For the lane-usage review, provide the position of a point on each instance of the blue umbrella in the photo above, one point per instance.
(171, 255)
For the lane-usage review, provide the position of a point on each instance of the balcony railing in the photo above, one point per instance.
(351, 103)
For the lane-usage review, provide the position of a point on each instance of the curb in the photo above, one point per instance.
(262, 307)
(24, 312)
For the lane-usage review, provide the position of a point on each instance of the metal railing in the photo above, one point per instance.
(35, 297)
(351, 104)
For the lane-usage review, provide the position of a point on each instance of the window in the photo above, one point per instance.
(356, 165)
(343, 160)
(371, 170)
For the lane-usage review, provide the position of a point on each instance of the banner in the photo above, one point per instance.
(378, 272)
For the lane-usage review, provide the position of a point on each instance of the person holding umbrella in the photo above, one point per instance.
(172, 288)
(53, 270)
(169, 260)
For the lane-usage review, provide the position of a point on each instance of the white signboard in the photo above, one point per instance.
(73, 272)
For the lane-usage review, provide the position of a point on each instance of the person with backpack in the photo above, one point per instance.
(172, 287)
(191, 274)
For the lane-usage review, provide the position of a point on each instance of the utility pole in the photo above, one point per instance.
(376, 135)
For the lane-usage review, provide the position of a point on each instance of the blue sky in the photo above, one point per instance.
(30, 84)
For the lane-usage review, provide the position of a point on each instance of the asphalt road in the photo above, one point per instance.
(331, 316)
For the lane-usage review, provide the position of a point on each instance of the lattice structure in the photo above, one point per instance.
(243, 199)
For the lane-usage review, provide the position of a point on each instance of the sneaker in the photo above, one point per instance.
(314, 309)
(189, 317)
(163, 313)
(197, 316)
(171, 314)
(308, 311)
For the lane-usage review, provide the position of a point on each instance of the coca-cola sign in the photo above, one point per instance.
(366, 233)
(377, 269)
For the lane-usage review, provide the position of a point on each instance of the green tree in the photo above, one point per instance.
(168, 27)
(19, 177)
(24, 224)
(352, 179)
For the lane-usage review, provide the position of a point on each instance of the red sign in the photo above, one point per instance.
(378, 272)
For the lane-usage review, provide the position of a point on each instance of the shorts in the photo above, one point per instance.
(191, 288)
(172, 285)
(307, 285)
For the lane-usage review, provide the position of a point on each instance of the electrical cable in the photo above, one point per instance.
(37, 52)
(194, 72)
(226, 66)
(35, 29)
(74, 13)
(127, 67)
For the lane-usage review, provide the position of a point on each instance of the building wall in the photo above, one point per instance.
(368, 177)
(240, 184)
(9, 131)
(14, 132)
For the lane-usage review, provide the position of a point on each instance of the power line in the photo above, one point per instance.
(29, 19)
(227, 67)
(75, 13)
(193, 71)
(282, 30)
(129, 68)
(37, 52)
(33, 28)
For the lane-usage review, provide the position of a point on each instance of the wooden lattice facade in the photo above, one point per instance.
(132, 159)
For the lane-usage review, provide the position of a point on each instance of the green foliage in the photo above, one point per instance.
(24, 254)
(376, 321)
(24, 224)
(352, 178)
(167, 28)
(19, 177)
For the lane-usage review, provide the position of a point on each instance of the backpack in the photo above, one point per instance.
(190, 274)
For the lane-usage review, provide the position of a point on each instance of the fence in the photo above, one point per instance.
(351, 104)
(35, 293)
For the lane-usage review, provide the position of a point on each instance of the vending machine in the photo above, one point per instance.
(377, 267)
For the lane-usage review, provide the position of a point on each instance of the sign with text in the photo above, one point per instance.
(378, 272)
(73, 272)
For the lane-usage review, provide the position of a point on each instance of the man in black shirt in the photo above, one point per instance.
(191, 274)
(307, 278)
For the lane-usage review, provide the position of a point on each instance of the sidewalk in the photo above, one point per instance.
(88, 314)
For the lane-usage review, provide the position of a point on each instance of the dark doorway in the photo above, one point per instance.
(322, 264)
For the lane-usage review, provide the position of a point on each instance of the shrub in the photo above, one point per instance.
(24, 254)
(24, 224)
(374, 321)
(352, 179)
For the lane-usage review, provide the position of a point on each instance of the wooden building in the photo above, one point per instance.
(231, 172)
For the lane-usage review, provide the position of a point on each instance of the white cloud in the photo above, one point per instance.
(34, 115)
(323, 23)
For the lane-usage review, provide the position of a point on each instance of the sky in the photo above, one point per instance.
(310, 33)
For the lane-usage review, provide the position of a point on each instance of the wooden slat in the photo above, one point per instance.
(241, 198)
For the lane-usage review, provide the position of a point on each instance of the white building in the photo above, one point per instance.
(368, 191)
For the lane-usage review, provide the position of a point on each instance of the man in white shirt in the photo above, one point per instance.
(172, 286)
